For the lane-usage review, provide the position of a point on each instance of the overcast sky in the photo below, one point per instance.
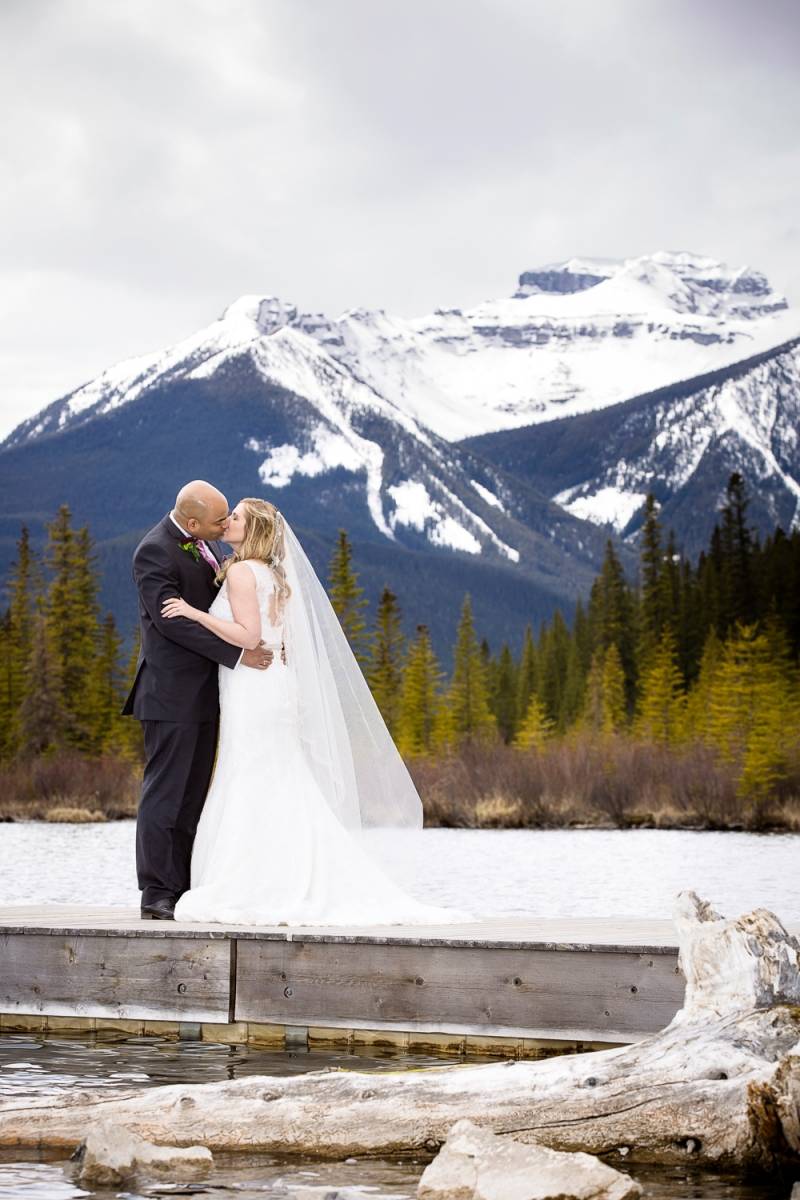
(162, 157)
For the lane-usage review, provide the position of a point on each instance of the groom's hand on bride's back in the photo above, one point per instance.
(260, 658)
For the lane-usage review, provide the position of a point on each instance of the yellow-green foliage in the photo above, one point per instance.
(660, 711)
(418, 717)
(752, 712)
(468, 696)
(536, 729)
(604, 708)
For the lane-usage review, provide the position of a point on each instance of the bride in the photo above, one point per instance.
(304, 762)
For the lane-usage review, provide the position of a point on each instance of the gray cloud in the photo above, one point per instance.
(164, 158)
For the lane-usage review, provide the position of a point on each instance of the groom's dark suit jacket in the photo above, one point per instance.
(176, 675)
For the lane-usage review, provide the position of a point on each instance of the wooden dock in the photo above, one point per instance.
(519, 983)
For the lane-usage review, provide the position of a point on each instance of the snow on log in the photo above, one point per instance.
(720, 1085)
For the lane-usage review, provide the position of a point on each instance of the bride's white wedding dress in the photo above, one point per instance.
(269, 849)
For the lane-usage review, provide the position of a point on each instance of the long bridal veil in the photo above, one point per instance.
(348, 747)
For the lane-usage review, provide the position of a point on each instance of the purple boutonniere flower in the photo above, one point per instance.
(191, 548)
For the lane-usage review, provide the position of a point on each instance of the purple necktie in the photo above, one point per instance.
(207, 555)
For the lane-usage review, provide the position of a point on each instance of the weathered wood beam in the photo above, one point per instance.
(720, 1085)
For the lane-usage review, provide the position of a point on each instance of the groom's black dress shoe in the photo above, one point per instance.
(159, 910)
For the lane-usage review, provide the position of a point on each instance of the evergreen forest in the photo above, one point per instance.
(671, 699)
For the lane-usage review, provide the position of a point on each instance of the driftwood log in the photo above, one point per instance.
(719, 1086)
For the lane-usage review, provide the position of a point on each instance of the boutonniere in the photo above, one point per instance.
(191, 548)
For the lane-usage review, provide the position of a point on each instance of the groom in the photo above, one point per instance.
(175, 692)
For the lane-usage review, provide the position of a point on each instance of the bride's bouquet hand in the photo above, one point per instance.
(177, 607)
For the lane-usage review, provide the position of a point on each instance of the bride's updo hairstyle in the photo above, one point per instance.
(264, 541)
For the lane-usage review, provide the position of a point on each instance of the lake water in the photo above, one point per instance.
(545, 873)
(516, 872)
(33, 1065)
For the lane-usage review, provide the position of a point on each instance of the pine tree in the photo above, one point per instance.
(605, 704)
(527, 673)
(612, 617)
(655, 600)
(42, 719)
(614, 701)
(385, 667)
(348, 598)
(737, 549)
(72, 625)
(753, 711)
(553, 655)
(7, 710)
(698, 700)
(24, 590)
(419, 697)
(468, 695)
(536, 728)
(503, 699)
(105, 694)
(660, 716)
(574, 691)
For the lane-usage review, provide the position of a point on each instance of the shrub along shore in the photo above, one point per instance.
(671, 701)
(611, 782)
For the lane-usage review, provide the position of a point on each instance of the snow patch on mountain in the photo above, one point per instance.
(756, 413)
(486, 495)
(606, 506)
(416, 507)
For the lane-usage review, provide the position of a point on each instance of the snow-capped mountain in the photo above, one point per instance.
(681, 442)
(440, 435)
(576, 336)
(260, 406)
(414, 483)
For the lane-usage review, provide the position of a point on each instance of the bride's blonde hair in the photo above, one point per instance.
(264, 540)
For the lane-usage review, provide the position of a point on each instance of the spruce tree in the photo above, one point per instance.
(738, 551)
(660, 716)
(419, 697)
(386, 659)
(7, 710)
(348, 598)
(42, 720)
(614, 699)
(612, 617)
(698, 699)
(753, 711)
(105, 695)
(72, 626)
(654, 607)
(536, 727)
(468, 696)
(527, 673)
(553, 655)
(503, 699)
(24, 591)
(605, 701)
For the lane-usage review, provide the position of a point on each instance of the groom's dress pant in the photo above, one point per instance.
(179, 759)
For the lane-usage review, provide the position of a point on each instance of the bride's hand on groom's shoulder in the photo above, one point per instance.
(177, 607)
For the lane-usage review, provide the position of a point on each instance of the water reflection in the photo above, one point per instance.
(38, 1065)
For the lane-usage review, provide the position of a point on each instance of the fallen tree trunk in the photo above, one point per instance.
(720, 1085)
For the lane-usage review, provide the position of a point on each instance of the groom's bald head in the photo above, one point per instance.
(201, 509)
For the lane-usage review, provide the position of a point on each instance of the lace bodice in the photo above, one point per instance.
(271, 604)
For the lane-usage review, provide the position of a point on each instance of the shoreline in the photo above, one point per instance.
(781, 821)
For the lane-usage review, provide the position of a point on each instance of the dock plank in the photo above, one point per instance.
(580, 979)
(537, 992)
(75, 974)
